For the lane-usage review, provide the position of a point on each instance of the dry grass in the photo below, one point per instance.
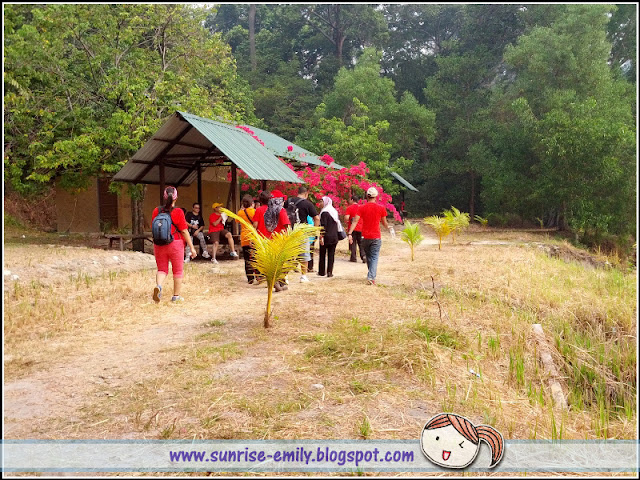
(343, 360)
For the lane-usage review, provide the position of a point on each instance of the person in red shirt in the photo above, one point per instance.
(371, 214)
(352, 211)
(174, 252)
(271, 217)
(217, 230)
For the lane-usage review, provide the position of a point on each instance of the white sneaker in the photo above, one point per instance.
(213, 260)
(234, 254)
(304, 279)
(205, 254)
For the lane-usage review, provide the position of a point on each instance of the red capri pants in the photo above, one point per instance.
(174, 253)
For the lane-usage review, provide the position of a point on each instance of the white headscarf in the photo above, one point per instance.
(330, 209)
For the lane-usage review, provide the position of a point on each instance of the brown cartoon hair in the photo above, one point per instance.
(472, 433)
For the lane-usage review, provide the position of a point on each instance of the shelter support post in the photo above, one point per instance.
(162, 181)
(235, 196)
(200, 186)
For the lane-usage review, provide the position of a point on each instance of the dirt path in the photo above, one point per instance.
(52, 398)
(109, 360)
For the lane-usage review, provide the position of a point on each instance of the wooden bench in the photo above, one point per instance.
(126, 238)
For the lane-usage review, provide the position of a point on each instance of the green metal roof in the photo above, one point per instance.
(279, 147)
(403, 181)
(247, 154)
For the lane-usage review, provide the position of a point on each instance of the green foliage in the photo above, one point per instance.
(350, 144)
(362, 89)
(88, 84)
(482, 221)
(578, 159)
(411, 234)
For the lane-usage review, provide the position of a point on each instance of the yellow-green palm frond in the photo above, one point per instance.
(411, 234)
(276, 256)
(440, 225)
(481, 220)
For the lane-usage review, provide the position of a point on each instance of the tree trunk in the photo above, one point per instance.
(472, 200)
(339, 36)
(563, 222)
(137, 217)
(252, 36)
(267, 313)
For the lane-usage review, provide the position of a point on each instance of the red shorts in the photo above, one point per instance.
(174, 253)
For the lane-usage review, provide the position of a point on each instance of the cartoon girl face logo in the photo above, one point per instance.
(452, 441)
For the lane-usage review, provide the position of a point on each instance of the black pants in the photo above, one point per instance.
(311, 249)
(328, 251)
(247, 253)
(357, 243)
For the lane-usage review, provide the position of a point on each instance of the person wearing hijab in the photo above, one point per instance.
(330, 223)
(174, 252)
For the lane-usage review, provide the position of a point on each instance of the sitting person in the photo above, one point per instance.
(196, 230)
(216, 229)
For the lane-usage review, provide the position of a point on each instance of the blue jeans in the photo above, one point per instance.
(371, 247)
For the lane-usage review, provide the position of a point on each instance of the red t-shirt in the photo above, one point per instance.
(352, 211)
(215, 228)
(283, 221)
(371, 214)
(177, 217)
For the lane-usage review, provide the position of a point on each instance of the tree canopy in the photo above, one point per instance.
(522, 110)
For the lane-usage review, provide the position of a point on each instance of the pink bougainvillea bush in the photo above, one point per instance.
(338, 185)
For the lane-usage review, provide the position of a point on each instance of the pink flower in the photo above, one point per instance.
(290, 148)
(326, 158)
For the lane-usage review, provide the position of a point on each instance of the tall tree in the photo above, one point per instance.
(411, 126)
(578, 116)
(89, 84)
(252, 36)
(459, 92)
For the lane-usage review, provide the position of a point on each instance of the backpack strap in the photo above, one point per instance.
(247, 215)
(161, 210)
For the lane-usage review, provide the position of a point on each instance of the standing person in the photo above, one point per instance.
(312, 247)
(300, 208)
(352, 211)
(216, 230)
(330, 223)
(372, 214)
(271, 217)
(196, 229)
(247, 212)
(174, 251)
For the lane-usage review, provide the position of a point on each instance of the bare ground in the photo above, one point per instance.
(132, 369)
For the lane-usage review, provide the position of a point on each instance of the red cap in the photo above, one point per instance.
(277, 194)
